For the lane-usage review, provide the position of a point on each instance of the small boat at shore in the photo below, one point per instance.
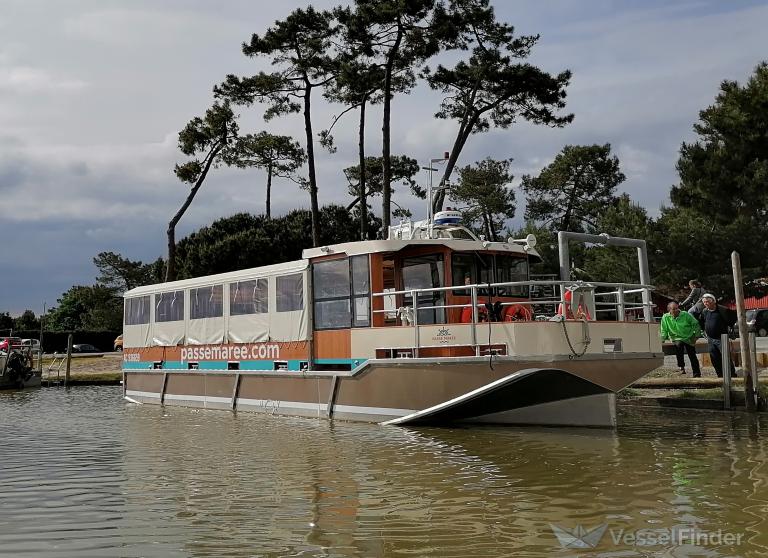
(431, 326)
(17, 365)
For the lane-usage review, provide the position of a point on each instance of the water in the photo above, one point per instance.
(83, 473)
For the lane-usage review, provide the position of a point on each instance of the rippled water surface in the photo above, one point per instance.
(82, 473)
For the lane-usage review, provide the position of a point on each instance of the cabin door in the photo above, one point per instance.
(425, 272)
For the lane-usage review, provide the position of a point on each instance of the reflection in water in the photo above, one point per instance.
(84, 474)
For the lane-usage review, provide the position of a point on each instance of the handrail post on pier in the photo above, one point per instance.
(474, 321)
(725, 359)
(620, 315)
(415, 299)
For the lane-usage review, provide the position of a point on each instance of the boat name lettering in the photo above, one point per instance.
(131, 357)
(231, 352)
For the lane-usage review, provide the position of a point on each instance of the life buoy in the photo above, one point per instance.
(581, 312)
(518, 313)
(466, 314)
(568, 297)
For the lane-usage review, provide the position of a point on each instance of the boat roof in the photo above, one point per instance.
(376, 246)
(229, 277)
(346, 248)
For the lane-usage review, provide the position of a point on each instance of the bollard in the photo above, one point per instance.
(725, 357)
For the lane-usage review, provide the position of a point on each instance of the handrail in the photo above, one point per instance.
(621, 306)
(639, 287)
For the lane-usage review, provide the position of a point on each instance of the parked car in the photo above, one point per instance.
(757, 321)
(84, 348)
(119, 343)
(13, 342)
(33, 344)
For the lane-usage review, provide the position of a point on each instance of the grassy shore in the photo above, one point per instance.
(88, 369)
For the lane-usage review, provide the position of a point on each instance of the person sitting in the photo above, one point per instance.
(682, 329)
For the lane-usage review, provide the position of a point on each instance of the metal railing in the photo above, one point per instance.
(595, 302)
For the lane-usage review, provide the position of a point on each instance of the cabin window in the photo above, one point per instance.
(425, 272)
(290, 292)
(331, 289)
(136, 311)
(206, 302)
(361, 291)
(249, 297)
(510, 269)
(169, 307)
(463, 272)
(342, 291)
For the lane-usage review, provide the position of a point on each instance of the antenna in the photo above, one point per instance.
(528, 242)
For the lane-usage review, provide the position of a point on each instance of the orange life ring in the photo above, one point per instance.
(466, 314)
(581, 312)
(517, 313)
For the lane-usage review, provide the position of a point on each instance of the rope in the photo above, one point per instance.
(587, 340)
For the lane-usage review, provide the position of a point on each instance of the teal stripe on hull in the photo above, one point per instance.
(262, 365)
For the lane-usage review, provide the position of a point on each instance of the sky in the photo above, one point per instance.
(93, 94)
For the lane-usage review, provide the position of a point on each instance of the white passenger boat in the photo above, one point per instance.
(430, 326)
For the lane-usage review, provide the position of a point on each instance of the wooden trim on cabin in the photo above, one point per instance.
(333, 343)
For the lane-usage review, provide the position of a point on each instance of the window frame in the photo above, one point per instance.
(234, 289)
(193, 292)
(354, 294)
(280, 299)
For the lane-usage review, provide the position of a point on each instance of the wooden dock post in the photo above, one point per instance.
(69, 359)
(746, 360)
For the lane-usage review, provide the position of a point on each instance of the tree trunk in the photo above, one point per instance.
(170, 270)
(269, 190)
(386, 204)
(487, 227)
(311, 161)
(458, 145)
(363, 200)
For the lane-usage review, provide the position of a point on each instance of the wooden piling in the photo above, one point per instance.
(69, 359)
(746, 360)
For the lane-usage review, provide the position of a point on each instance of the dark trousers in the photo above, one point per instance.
(681, 348)
(716, 354)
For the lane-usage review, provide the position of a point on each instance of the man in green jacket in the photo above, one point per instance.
(682, 329)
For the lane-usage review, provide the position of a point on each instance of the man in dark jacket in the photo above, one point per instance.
(715, 320)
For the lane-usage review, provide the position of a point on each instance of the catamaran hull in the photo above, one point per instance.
(406, 392)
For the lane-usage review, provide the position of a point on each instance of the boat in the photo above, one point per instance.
(432, 325)
(17, 365)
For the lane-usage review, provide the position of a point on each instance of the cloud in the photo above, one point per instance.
(23, 80)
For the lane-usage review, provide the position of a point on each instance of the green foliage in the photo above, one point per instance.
(692, 247)
(6, 322)
(404, 169)
(490, 86)
(121, 274)
(571, 192)
(724, 174)
(27, 321)
(301, 47)
(202, 139)
(96, 308)
(277, 155)
(613, 263)
(483, 189)
(205, 136)
(244, 241)
(399, 35)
